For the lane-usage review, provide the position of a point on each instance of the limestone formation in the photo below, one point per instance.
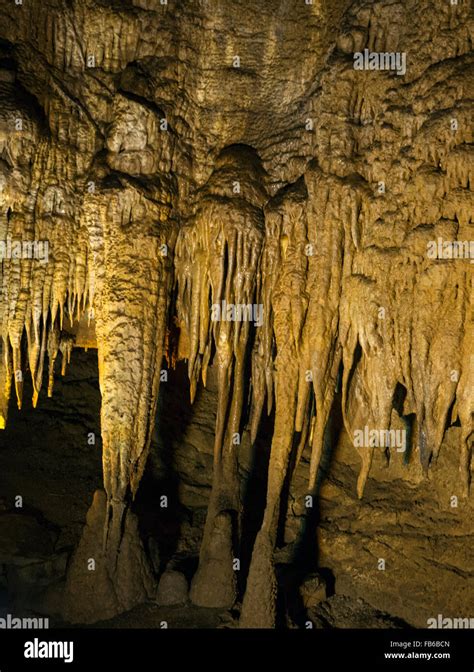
(278, 193)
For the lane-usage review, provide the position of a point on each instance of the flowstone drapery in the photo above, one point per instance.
(304, 225)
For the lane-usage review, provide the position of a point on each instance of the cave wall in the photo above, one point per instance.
(414, 525)
(421, 528)
(178, 156)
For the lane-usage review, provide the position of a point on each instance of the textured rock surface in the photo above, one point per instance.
(343, 612)
(90, 572)
(176, 157)
(404, 519)
(172, 589)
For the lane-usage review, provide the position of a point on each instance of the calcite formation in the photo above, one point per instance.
(164, 161)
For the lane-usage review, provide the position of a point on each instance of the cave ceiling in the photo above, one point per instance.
(219, 182)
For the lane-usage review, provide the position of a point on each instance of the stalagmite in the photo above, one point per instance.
(129, 233)
(218, 263)
(187, 183)
(287, 310)
(369, 322)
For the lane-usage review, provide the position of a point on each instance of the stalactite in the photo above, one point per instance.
(130, 329)
(284, 220)
(217, 261)
(330, 241)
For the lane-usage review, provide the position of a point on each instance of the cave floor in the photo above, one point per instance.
(154, 616)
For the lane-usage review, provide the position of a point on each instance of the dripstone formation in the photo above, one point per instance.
(260, 190)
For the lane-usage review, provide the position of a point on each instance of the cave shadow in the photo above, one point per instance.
(398, 401)
(161, 527)
(255, 494)
(160, 519)
(247, 521)
(305, 558)
(42, 447)
(306, 552)
(306, 555)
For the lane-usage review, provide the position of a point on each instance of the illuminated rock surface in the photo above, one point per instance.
(177, 157)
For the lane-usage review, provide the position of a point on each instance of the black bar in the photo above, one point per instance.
(296, 650)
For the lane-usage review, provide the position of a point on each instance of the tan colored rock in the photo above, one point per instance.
(177, 157)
